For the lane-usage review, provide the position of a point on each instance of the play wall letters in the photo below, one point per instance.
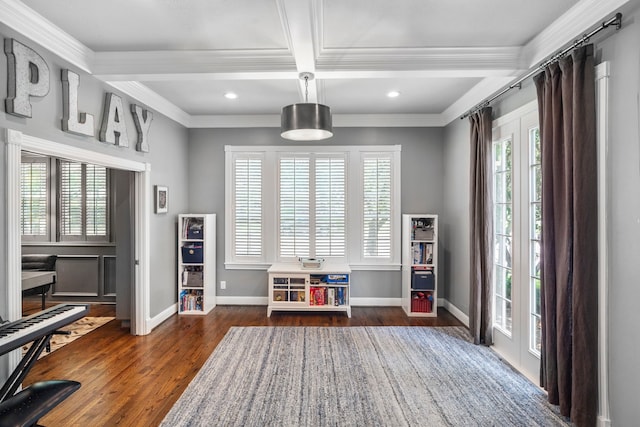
(28, 76)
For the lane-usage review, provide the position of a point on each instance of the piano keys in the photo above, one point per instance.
(16, 334)
(37, 328)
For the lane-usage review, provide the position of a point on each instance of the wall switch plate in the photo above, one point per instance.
(223, 284)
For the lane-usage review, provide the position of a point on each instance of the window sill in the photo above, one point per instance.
(354, 267)
(69, 243)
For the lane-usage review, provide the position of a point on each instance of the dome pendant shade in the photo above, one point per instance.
(306, 122)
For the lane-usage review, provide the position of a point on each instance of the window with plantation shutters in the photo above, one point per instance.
(312, 205)
(330, 219)
(294, 209)
(339, 203)
(34, 196)
(376, 181)
(247, 217)
(96, 200)
(70, 199)
(63, 200)
(83, 201)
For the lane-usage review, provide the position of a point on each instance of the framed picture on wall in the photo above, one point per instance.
(162, 195)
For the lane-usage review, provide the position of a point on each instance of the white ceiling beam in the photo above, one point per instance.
(248, 63)
(299, 22)
(276, 64)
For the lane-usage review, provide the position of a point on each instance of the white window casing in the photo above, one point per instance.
(313, 204)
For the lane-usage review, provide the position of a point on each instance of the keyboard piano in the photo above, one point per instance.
(37, 328)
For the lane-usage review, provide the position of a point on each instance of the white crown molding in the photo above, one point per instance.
(339, 121)
(578, 20)
(475, 95)
(146, 96)
(234, 121)
(569, 27)
(34, 26)
(387, 120)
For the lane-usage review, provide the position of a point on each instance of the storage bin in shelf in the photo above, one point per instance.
(192, 253)
(422, 302)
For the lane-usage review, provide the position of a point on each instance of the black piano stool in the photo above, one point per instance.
(26, 407)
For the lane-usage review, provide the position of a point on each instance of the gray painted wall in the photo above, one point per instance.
(422, 175)
(621, 49)
(454, 224)
(167, 156)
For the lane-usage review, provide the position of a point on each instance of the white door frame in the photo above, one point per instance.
(16, 142)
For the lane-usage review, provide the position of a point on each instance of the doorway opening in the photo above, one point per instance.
(133, 177)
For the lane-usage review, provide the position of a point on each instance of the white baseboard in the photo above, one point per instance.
(355, 302)
(455, 311)
(161, 317)
(376, 302)
(242, 301)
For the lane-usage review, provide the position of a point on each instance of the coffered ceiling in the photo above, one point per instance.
(181, 57)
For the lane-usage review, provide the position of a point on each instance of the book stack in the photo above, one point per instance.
(422, 253)
(325, 295)
(191, 301)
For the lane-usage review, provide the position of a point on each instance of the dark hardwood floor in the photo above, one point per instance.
(134, 380)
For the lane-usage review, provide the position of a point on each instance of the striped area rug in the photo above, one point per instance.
(358, 376)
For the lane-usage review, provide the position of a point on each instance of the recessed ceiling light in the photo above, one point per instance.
(230, 95)
(393, 94)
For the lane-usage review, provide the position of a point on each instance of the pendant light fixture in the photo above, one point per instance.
(306, 121)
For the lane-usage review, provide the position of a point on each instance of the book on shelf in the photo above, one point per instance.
(327, 295)
(422, 253)
(191, 300)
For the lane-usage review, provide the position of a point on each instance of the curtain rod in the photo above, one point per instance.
(615, 20)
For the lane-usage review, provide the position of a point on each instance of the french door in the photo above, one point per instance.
(517, 183)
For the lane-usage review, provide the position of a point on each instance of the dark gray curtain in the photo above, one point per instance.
(481, 228)
(569, 369)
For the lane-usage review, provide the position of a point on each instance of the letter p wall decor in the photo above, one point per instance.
(28, 75)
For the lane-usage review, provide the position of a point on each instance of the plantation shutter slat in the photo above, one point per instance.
(294, 207)
(248, 207)
(83, 201)
(96, 200)
(71, 199)
(376, 207)
(330, 232)
(34, 198)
